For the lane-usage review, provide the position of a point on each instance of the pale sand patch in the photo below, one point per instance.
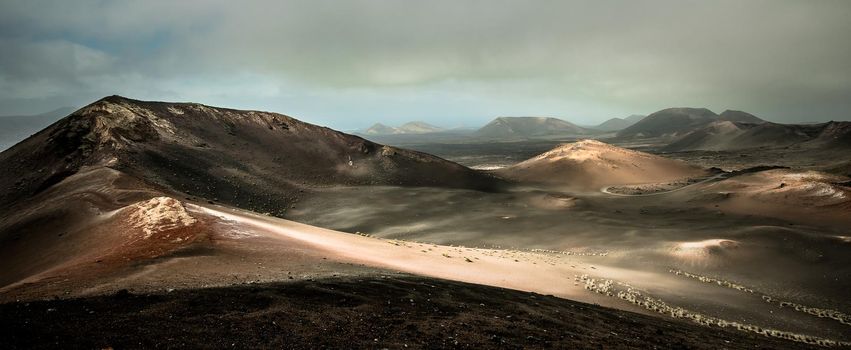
(526, 271)
(158, 214)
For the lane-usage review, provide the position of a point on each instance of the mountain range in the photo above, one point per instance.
(528, 127)
(675, 122)
(415, 127)
(616, 124)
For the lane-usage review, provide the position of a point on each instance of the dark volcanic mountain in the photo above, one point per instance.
(96, 181)
(254, 160)
(616, 124)
(729, 135)
(528, 127)
(670, 122)
(833, 135)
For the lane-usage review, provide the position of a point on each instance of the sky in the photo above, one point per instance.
(349, 64)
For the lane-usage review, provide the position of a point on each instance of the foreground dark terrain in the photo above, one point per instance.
(386, 311)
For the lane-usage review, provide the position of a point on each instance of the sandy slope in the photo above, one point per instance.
(804, 196)
(590, 164)
(162, 243)
(149, 232)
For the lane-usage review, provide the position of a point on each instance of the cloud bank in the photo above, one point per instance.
(348, 64)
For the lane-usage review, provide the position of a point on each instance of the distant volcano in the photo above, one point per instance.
(590, 164)
(528, 127)
(407, 128)
(616, 124)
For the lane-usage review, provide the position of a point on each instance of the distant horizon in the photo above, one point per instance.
(404, 121)
(349, 64)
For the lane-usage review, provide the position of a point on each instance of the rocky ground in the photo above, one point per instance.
(383, 311)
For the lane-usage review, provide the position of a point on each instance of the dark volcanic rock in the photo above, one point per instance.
(353, 313)
(669, 122)
(256, 160)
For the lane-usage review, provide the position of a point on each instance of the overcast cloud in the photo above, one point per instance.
(348, 64)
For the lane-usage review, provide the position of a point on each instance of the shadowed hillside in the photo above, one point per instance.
(250, 159)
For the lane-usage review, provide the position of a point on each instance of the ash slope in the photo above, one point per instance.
(590, 164)
(254, 160)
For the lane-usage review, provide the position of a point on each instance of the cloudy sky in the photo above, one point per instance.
(348, 64)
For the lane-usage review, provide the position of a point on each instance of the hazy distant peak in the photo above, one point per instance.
(381, 129)
(418, 127)
(537, 119)
(670, 122)
(414, 127)
(687, 111)
(525, 127)
(635, 117)
(616, 124)
(739, 116)
(418, 123)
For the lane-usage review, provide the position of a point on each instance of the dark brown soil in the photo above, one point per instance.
(260, 161)
(365, 312)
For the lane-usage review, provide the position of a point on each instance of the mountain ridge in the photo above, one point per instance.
(414, 127)
(251, 159)
(528, 127)
(615, 124)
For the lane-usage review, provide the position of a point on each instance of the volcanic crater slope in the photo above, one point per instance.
(254, 160)
(589, 164)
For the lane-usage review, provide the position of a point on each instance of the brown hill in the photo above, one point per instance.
(678, 122)
(101, 183)
(729, 135)
(616, 124)
(590, 164)
(669, 122)
(250, 159)
(528, 127)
